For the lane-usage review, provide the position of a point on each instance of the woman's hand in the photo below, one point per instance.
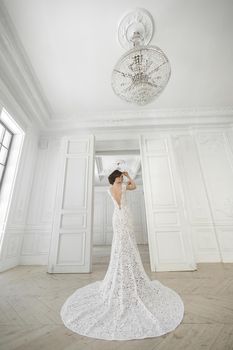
(125, 173)
(131, 184)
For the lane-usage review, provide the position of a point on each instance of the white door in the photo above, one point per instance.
(71, 242)
(169, 234)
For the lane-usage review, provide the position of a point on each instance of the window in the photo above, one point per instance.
(6, 137)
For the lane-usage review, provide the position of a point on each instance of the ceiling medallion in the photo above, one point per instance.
(141, 73)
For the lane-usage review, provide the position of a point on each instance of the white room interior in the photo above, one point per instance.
(68, 127)
(183, 139)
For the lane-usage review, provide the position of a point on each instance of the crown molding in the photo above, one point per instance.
(19, 80)
(146, 118)
(141, 112)
(17, 73)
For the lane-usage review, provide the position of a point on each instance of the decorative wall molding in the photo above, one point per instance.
(18, 75)
(197, 208)
(139, 118)
(205, 160)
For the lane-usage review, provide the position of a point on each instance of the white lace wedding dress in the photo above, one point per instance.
(126, 304)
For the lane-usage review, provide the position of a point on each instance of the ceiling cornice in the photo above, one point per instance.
(17, 73)
(19, 78)
(147, 118)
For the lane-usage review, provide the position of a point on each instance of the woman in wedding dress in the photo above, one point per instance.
(126, 304)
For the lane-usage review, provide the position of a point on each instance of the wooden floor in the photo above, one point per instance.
(31, 299)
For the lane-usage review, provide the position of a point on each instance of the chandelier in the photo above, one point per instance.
(141, 73)
(119, 164)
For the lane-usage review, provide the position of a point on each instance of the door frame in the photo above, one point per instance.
(117, 137)
(136, 137)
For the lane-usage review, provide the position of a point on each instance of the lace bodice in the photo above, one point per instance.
(126, 304)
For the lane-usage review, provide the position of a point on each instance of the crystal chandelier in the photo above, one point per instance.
(119, 164)
(141, 73)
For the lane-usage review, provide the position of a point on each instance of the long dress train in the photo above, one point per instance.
(126, 304)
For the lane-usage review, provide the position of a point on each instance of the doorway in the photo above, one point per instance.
(107, 153)
(169, 233)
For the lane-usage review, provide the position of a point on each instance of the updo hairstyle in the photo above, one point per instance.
(113, 175)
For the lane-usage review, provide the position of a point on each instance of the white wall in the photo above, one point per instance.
(15, 224)
(20, 96)
(204, 159)
(37, 235)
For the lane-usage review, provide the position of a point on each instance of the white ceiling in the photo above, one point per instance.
(72, 47)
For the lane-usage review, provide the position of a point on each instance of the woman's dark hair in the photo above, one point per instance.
(113, 175)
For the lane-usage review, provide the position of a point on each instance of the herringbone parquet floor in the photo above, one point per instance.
(30, 300)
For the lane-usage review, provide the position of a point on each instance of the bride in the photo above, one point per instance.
(126, 304)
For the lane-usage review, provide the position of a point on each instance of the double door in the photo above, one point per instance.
(169, 235)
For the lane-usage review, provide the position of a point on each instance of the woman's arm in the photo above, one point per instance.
(131, 184)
